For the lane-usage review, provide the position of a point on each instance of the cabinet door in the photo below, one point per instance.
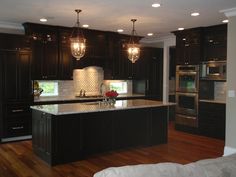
(24, 76)
(215, 43)
(188, 46)
(10, 65)
(41, 133)
(51, 59)
(96, 132)
(66, 59)
(212, 119)
(155, 74)
(45, 56)
(16, 75)
(130, 128)
(158, 122)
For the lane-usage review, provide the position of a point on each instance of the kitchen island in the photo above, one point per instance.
(64, 133)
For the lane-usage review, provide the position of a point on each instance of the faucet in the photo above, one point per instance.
(102, 89)
(82, 93)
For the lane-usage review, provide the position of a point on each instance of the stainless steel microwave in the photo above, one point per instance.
(213, 70)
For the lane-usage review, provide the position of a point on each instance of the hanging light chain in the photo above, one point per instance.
(78, 11)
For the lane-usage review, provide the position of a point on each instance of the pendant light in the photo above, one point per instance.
(77, 40)
(133, 47)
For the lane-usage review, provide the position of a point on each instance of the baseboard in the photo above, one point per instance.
(229, 150)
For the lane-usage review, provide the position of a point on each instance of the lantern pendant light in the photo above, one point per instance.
(77, 40)
(133, 47)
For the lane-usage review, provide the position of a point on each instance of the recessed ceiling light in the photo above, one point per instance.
(150, 34)
(85, 25)
(156, 5)
(194, 14)
(120, 30)
(43, 20)
(225, 21)
(180, 29)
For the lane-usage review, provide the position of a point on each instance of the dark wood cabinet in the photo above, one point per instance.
(16, 92)
(96, 132)
(66, 60)
(215, 43)
(65, 138)
(16, 120)
(172, 64)
(16, 75)
(212, 119)
(97, 49)
(189, 46)
(154, 73)
(132, 131)
(45, 51)
(42, 134)
(14, 41)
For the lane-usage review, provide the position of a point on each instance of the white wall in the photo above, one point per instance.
(230, 141)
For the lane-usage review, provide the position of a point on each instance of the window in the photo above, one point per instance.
(120, 87)
(50, 88)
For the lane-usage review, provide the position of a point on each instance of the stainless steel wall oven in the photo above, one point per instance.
(187, 81)
(187, 78)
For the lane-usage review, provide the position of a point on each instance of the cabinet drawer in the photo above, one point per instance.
(18, 128)
(15, 110)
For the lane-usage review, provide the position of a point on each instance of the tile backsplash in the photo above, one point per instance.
(88, 79)
(66, 88)
(220, 91)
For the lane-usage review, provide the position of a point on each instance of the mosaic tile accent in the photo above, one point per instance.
(88, 79)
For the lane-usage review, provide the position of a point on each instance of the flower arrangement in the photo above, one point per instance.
(111, 94)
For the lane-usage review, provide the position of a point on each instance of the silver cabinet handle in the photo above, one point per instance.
(17, 128)
(17, 110)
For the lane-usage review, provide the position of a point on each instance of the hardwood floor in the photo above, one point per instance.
(18, 160)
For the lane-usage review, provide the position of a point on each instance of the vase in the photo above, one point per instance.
(111, 101)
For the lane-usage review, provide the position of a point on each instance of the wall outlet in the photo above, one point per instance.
(231, 93)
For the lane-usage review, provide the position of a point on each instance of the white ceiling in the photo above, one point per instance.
(110, 15)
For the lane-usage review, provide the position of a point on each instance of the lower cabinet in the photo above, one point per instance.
(212, 119)
(66, 138)
(16, 120)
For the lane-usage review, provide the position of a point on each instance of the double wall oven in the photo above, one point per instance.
(187, 81)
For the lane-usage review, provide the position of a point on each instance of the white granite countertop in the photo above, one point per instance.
(75, 108)
(74, 98)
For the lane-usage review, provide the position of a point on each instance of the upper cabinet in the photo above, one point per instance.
(215, 43)
(66, 60)
(44, 44)
(188, 46)
(14, 41)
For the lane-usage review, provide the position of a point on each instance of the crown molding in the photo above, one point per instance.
(8, 27)
(168, 37)
(229, 12)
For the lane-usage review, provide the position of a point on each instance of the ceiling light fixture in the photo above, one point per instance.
(150, 34)
(78, 42)
(120, 30)
(180, 29)
(225, 21)
(43, 20)
(85, 25)
(194, 14)
(156, 5)
(133, 46)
